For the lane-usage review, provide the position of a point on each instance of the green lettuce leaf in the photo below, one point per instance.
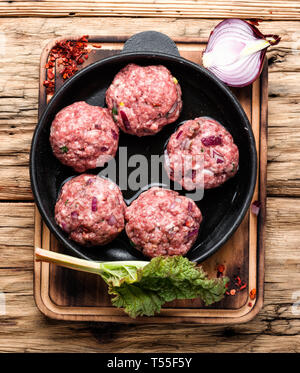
(164, 280)
(142, 288)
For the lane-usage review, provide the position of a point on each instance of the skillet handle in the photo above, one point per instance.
(151, 41)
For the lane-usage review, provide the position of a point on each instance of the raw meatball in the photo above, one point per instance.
(209, 153)
(90, 209)
(143, 99)
(83, 136)
(161, 222)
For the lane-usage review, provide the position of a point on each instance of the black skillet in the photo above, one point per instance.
(223, 208)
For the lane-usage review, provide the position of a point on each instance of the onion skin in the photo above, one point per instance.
(243, 60)
(255, 207)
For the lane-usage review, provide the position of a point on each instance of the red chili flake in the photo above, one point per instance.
(238, 281)
(252, 294)
(243, 287)
(97, 45)
(249, 304)
(221, 268)
(50, 74)
(227, 293)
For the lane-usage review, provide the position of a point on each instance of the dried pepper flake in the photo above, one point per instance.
(70, 54)
(252, 294)
(236, 284)
(249, 304)
(220, 270)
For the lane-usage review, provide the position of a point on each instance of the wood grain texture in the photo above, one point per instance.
(22, 42)
(273, 10)
(23, 327)
(275, 329)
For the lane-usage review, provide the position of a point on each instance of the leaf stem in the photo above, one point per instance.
(85, 265)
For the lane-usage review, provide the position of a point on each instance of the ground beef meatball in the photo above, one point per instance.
(90, 209)
(83, 136)
(161, 222)
(201, 153)
(143, 99)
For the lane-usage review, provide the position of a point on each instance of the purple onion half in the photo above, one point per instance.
(235, 52)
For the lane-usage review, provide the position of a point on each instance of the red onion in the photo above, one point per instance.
(94, 204)
(192, 233)
(179, 134)
(255, 207)
(235, 52)
(112, 220)
(114, 135)
(65, 227)
(216, 155)
(190, 207)
(125, 119)
(90, 181)
(74, 214)
(211, 140)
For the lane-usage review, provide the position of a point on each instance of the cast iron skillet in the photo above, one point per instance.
(223, 208)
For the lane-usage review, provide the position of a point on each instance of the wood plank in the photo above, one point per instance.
(23, 41)
(273, 10)
(275, 329)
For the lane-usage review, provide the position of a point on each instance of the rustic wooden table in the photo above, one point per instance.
(25, 27)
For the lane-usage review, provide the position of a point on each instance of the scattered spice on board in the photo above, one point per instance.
(236, 285)
(220, 270)
(69, 54)
(249, 304)
(252, 294)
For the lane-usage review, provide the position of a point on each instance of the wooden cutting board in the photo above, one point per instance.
(61, 293)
